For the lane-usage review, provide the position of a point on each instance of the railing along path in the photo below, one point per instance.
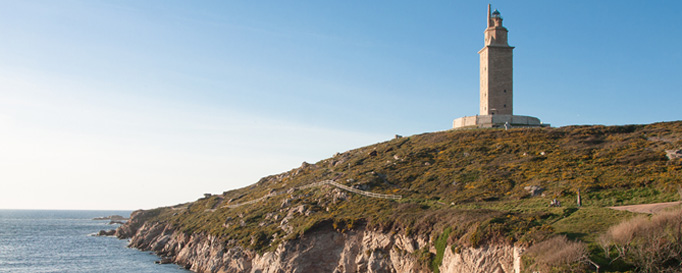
(321, 183)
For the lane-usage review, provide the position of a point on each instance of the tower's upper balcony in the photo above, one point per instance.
(495, 34)
(496, 14)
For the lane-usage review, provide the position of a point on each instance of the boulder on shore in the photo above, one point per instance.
(164, 261)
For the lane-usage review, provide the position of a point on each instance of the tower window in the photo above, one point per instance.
(505, 106)
(505, 91)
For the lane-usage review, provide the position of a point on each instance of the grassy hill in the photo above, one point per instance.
(462, 188)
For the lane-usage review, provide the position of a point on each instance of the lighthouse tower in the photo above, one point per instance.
(497, 85)
(496, 69)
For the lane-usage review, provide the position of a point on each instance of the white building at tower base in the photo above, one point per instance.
(497, 121)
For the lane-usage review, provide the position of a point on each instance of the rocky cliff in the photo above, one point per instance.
(321, 250)
(453, 201)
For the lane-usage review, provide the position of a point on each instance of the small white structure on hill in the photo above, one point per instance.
(496, 109)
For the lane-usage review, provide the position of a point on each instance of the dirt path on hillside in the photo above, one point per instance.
(647, 208)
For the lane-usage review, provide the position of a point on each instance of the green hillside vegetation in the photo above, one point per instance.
(464, 188)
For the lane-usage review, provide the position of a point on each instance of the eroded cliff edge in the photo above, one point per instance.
(321, 250)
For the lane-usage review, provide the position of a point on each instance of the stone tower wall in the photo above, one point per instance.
(496, 90)
(496, 81)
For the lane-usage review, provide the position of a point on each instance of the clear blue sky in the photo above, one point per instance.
(139, 104)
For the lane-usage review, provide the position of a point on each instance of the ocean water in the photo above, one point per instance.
(60, 241)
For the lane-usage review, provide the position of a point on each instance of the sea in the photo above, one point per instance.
(62, 241)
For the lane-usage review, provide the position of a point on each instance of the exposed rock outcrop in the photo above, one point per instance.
(673, 154)
(321, 250)
(130, 228)
(486, 259)
(534, 190)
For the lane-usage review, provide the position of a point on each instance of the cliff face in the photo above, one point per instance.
(322, 250)
(452, 201)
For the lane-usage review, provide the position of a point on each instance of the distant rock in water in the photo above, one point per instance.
(112, 218)
(115, 222)
(164, 261)
(110, 232)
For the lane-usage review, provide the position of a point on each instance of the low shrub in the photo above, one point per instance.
(557, 254)
(650, 244)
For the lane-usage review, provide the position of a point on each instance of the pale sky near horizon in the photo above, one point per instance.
(140, 104)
